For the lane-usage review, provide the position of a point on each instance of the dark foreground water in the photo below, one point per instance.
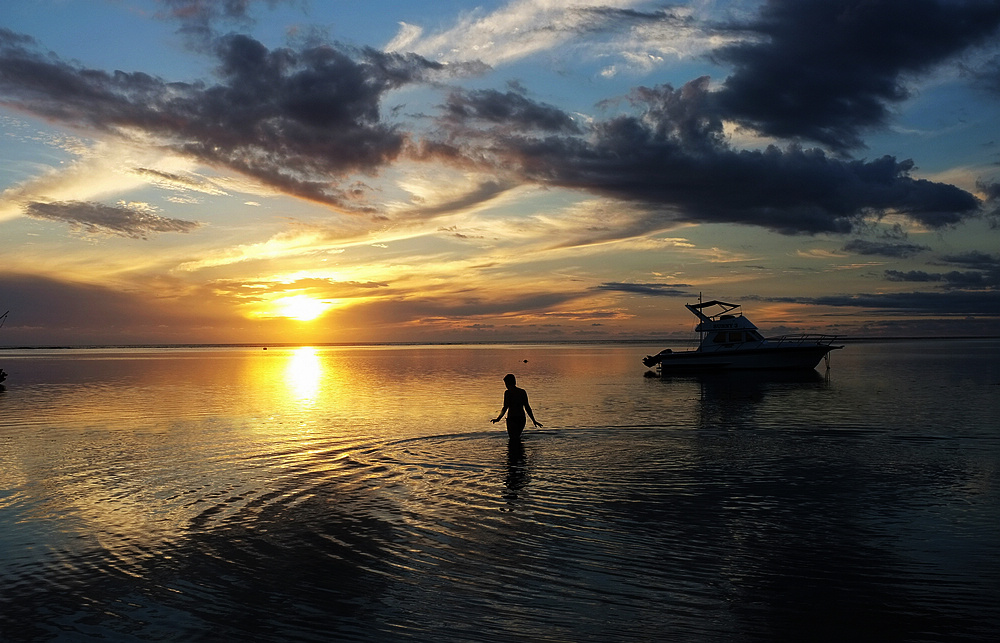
(362, 494)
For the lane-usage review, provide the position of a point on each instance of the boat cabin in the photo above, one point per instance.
(726, 328)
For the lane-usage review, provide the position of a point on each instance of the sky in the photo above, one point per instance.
(306, 171)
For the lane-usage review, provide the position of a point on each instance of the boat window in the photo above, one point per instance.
(754, 336)
(735, 336)
(720, 338)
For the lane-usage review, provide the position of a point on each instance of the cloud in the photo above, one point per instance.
(673, 157)
(829, 70)
(912, 275)
(455, 309)
(986, 74)
(657, 290)
(980, 271)
(174, 181)
(315, 287)
(296, 120)
(198, 18)
(128, 220)
(516, 30)
(593, 30)
(511, 109)
(924, 303)
(992, 191)
(883, 248)
(975, 259)
(449, 201)
(305, 120)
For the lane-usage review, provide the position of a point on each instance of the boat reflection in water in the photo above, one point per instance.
(731, 341)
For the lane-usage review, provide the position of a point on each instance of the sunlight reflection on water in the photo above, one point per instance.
(361, 493)
(303, 374)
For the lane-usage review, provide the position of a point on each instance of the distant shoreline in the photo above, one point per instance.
(568, 342)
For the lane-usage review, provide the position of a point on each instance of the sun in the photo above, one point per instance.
(300, 307)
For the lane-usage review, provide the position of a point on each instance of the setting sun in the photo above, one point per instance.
(300, 307)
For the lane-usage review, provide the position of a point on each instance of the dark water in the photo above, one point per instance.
(362, 494)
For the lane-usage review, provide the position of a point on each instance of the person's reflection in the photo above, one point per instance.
(517, 471)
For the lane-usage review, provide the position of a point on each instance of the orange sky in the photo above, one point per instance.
(302, 173)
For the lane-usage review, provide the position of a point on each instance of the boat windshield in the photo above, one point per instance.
(737, 337)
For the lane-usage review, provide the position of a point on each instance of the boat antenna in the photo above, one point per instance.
(3, 318)
(701, 333)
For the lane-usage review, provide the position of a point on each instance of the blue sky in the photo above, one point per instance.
(193, 171)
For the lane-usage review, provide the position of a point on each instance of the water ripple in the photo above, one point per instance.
(646, 509)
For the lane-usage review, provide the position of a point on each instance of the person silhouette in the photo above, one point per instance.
(515, 404)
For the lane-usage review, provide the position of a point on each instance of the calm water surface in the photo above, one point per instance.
(362, 494)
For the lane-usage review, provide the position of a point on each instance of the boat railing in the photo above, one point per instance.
(803, 338)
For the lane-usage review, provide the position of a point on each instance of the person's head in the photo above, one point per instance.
(509, 380)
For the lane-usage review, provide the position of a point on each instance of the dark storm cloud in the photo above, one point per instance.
(935, 303)
(975, 259)
(884, 248)
(829, 70)
(957, 303)
(674, 158)
(978, 271)
(953, 279)
(658, 290)
(912, 275)
(992, 192)
(96, 218)
(512, 109)
(294, 119)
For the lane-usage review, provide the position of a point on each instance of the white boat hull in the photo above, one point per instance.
(730, 341)
(773, 357)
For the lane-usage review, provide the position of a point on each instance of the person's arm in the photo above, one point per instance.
(527, 408)
(503, 410)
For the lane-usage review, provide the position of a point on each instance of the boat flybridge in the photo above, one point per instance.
(730, 341)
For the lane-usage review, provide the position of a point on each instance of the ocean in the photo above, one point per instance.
(362, 494)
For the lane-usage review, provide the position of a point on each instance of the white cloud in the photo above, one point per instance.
(97, 173)
(517, 30)
(404, 40)
(637, 42)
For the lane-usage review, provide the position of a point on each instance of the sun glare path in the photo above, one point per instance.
(304, 372)
(300, 307)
